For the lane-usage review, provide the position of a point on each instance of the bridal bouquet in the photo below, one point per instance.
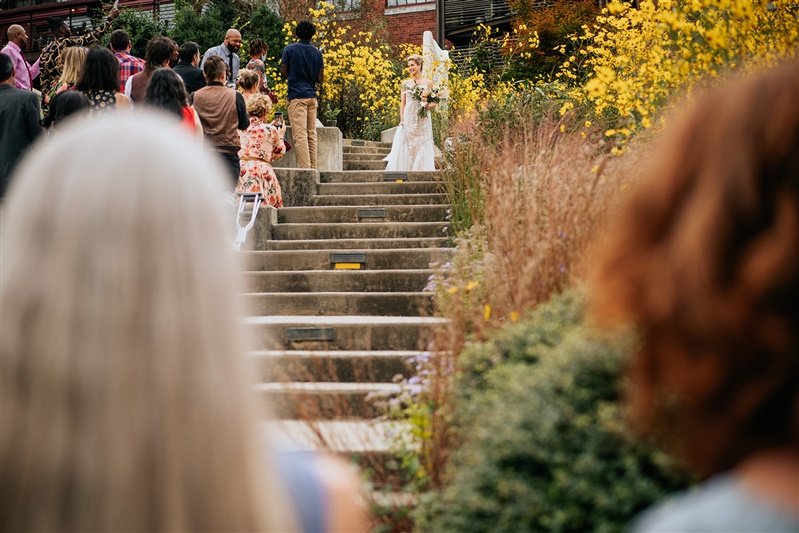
(428, 95)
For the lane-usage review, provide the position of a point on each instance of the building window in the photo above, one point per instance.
(346, 5)
(400, 3)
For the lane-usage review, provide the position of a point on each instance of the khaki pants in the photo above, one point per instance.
(302, 117)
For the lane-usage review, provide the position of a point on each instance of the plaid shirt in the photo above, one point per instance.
(128, 66)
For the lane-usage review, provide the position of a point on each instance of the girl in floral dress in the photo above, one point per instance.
(261, 143)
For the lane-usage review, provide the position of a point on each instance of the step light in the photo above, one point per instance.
(348, 260)
(309, 334)
(371, 212)
(396, 177)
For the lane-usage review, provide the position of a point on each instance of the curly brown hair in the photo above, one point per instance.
(704, 262)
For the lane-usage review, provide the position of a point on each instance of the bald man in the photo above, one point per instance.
(227, 51)
(25, 72)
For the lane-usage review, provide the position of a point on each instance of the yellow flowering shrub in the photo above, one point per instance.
(635, 60)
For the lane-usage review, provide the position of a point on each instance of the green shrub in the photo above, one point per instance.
(206, 27)
(141, 26)
(543, 445)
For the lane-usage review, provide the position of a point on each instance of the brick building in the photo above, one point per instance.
(451, 21)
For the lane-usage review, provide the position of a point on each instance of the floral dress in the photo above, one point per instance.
(260, 145)
(413, 147)
(101, 100)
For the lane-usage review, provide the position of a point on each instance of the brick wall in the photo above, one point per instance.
(397, 24)
(409, 27)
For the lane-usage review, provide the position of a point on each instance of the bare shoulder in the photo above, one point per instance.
(348, 511)
(123, 101)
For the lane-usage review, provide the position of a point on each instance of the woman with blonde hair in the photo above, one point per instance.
(249, 83)
(261, 143)
(124, 397)
(73, 58)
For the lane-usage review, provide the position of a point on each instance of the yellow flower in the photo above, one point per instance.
(486, 312)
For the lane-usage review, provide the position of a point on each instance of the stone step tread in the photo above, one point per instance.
(361, 214)
(359, 142)
(369, 294)
(364, 165)
(360, 156)
(366, 200)
(339, 354)
(386, 187)
(373, 176)
(340, 436)
(343, 320)
(330, 387)
(360, 224)
(366, 150)
(306, 260)
(362, 230)
(357, 244)
(431, 250)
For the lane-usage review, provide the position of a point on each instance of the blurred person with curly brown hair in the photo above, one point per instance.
(248, 83)
(261, 143)
(704, 264)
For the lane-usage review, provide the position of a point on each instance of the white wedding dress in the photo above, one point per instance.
(413, 147)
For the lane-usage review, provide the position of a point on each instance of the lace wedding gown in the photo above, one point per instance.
(413, 147)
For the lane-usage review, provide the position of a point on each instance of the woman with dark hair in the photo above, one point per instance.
(99, 80)
(258, 50)
(166, 91)
(704, 263)
(63, 105)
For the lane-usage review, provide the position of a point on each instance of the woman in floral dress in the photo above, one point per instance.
(261, 143)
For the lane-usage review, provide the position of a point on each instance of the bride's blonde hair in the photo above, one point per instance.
(416, 58)
(124, 397)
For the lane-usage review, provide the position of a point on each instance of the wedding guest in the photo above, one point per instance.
(222, 113)
(19, 120)
(99, 80)
(167, 92)
(124, 385)
(128, 65)
(227, 51)
(248, 83)
(303, 67)
(63, 105)
(704, 264)
(157, 55)
(17, 42)
(261, 143)
(74, 58)
(187, 67)
(258, 51)
(50, 58)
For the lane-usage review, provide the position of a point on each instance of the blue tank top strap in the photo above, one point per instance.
(299, 475)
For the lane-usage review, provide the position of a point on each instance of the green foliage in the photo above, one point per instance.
(543, 442)
(206, 27)
(141, 26)
(554, 25)
(265, 24)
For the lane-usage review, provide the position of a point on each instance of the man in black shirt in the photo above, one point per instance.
(19, 121)
(187, 67)
(302, 66)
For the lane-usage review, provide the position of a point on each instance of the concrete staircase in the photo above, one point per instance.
(338, 305)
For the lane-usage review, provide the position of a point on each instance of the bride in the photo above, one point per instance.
(413, 147)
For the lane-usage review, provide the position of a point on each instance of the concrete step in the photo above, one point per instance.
(361, 164)
(367, 176)
(349, 189)
(357, 244)
(377, 259)
(336, 214)
(363, 157)
(379, 199)
(326, 400)
(340, 303)
(406, 280)
(339, 436)
(340, 332)
(359, 142)
(360, 230)
(343, 365)
(366, 150)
